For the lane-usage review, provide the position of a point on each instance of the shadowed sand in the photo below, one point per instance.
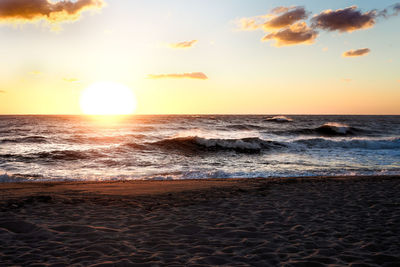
(234, 222)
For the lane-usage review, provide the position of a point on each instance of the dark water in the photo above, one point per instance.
(187, 147)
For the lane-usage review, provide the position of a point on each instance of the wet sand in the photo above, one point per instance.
(237, 222)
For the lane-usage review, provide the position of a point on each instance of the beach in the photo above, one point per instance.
(312, 221)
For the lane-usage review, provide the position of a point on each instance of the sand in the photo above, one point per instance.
(237, 222)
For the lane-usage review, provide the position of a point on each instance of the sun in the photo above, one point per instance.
(107, 98)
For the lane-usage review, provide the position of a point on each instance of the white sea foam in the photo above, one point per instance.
(336, 127)
(279, 119)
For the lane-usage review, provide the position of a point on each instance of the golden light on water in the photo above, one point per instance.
(107, 98)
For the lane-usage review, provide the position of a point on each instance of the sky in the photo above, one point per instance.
(203, 57)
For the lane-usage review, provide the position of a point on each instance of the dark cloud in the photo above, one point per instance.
(286, 19)
(298, 33)
(391, 11)
(344, 20)
(34, 10)
(357, 52)
(192, 75)
(186, 44)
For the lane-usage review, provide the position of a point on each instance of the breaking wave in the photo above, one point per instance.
(279, 119)
(333, 128)
(328, 129)
(195, 143)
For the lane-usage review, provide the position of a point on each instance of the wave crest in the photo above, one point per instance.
(334, 128)
(279, 119)
(196, 143)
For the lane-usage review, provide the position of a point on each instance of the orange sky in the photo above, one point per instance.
(227, 57)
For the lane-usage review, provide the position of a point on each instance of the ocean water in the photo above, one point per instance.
(38, 148)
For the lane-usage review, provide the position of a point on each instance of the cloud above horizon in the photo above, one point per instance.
(27, 11)
(191, 75)
(186, 44)
(284, 25)
(357, 52)
(288, 26)
(290, 16)
(279, 18)
(344, 20)
(298, 33)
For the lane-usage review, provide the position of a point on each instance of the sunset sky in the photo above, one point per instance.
(196, 57)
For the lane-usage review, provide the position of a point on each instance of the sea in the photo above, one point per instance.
(167, 147)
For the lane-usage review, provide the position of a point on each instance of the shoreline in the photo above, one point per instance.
(314, 221)
(146, 187)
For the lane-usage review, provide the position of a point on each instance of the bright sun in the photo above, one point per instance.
(107, 98)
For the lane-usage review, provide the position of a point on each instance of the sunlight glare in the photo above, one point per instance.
(107, 98)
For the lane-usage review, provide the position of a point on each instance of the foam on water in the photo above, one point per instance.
(34, 148)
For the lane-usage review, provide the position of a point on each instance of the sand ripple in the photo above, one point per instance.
(259, 223)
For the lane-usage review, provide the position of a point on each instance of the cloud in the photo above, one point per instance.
(289, 17)
(186, 44)
(2, 92)
(280, 9)
(391, 11)
(298, 33)
(251, 24)
(357, 52)
(12, 11)
(272, 21)
(344, 20)
(192, 75)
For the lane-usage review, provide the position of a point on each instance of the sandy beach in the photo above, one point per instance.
(234, 222)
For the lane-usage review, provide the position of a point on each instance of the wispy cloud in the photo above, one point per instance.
(357, 52)
(186, 44)
(191, 75)
(298, 33)
(391, 11)
(344, 20)
(23, 11)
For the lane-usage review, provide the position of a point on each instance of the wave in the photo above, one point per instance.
(359, 143)
(279, 119)
(53, 156)
(329, 129)
(196, 143)
(28, 139)
(244, 127)
(333, 128)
